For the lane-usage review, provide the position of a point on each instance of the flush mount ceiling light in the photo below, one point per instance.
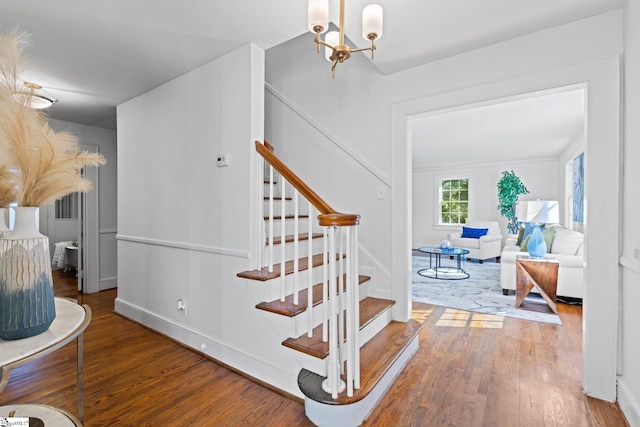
(34, 96)
(336, 50)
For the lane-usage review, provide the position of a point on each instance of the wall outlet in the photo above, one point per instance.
(182, 306)
(381, 192)
(223, 160)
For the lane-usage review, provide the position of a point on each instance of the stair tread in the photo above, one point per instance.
(263, 274)
(287, 308)
(288, 216)
(289, 238)
(370, 308)
(278, 198)
(376, 357)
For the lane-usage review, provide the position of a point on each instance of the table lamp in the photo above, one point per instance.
(537, 212)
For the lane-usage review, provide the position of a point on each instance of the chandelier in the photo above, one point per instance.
(336, 51)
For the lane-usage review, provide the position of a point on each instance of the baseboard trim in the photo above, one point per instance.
(629, 403)
(245, 364)
(108, 283)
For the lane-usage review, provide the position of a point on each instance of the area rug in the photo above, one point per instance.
(480, 293)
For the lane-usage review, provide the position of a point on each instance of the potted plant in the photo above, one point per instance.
(37, 167)
(510, 187)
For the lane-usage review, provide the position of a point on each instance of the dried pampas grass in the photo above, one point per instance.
(39, 165)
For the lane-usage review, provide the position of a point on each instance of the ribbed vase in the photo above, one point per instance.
(27, 306)
(4, 227)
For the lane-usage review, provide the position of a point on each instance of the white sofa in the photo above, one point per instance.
(567, 247)
(485, 247)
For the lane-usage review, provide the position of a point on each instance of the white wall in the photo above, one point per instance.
(540, 176)
(629, 369)
(105, 140)
(184, 224)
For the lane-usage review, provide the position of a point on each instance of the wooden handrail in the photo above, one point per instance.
(328, 216)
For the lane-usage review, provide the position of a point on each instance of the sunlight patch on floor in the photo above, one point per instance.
(461, 319)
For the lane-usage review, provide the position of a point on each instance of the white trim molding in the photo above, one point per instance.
(629, 403)
(183, 245)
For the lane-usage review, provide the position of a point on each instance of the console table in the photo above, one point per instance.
(541, 273)
(70, 322)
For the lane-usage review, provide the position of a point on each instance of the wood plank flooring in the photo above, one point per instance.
(470, 370)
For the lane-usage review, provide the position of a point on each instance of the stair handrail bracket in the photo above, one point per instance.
(340, 276)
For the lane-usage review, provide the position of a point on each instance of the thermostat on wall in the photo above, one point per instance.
(222, 160)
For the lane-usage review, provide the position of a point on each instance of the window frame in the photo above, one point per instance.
(439, 181)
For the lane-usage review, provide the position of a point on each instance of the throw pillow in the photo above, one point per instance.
(525, 243)
(520, 234)
(473, 233)
(547, 235)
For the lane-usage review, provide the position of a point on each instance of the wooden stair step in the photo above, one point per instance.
(289, 216)
(289, 238)
(278, 198)
(263, 274)
(376, 358)
(287, 308)
(370, 308)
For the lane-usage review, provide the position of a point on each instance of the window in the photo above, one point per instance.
(454, 201)
(67, 207)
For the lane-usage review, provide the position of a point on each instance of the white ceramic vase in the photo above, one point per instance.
(27, 306)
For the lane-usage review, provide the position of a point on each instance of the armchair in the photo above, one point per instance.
(483, 247)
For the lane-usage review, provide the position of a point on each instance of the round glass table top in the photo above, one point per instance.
(447, 251)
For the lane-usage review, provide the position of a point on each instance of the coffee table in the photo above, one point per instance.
(438, 271)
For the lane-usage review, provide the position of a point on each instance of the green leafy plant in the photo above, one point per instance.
(510, 187)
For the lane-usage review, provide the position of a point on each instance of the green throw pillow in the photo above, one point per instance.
(520, 234)
(547, 235)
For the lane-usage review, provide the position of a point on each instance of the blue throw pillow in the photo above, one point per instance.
(473, 233)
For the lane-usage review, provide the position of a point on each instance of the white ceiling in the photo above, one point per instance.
(538, 125)
(94, 55)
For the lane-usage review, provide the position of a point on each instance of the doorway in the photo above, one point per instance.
(602, 189)
(72, 227)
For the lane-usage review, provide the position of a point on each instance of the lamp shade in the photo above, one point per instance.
(332, 38)
(318, 15)
(372, 21)
(538, 211)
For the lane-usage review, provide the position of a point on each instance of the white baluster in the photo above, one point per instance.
(283, 291)
(333, 384)
(350, 325)
(339, 294)
(296, 230)
(310, 276)
(270, 219)
(356, 309)
(325, 286)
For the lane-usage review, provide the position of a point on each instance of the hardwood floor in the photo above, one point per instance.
(470, 370)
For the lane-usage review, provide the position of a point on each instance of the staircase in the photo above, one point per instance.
(351, 349)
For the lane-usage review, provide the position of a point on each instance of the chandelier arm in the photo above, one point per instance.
(323, 43)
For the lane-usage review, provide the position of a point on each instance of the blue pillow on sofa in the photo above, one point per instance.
(473, 233)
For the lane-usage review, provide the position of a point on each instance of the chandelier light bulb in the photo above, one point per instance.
(372, 22)
(331, 38)
(318, 16)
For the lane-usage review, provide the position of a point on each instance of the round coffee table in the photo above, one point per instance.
(438, 271)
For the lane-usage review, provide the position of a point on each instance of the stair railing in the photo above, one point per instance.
(340, 308)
